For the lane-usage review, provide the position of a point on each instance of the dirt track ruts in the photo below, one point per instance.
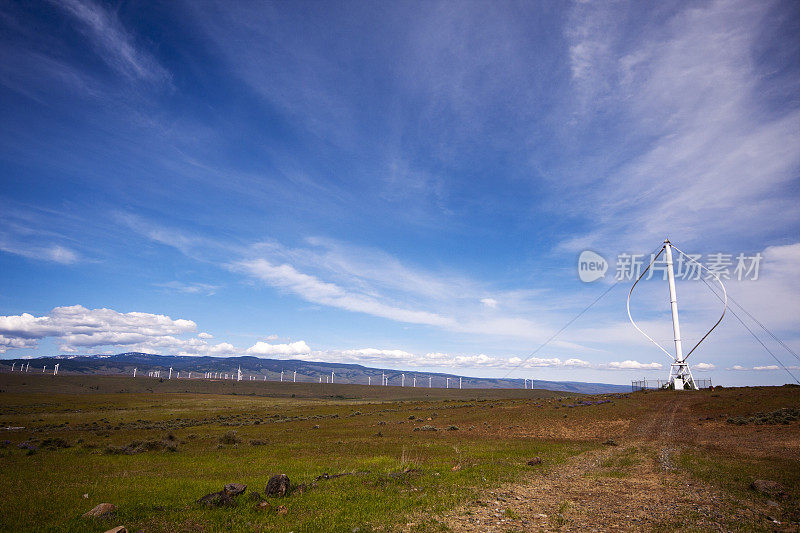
(588, 494)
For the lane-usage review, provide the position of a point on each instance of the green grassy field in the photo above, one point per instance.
(154, 447)
(200, 441)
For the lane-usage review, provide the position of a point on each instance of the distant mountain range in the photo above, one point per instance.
(307, 371)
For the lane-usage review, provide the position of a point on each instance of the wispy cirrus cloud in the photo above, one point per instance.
(115, 45)
(689, 93)
(284, 276)
(55, 252)
(189, 288)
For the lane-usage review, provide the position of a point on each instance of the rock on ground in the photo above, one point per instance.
(277, 485)
(101, 511)
(234, 489)
(216, 499)
(770, 488)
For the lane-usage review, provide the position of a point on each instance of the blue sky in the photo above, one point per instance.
(402, 184)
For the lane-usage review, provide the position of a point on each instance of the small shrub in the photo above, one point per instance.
(787, 415)
(230, 438)
(428, 428)
(54, 443)
(114, 450)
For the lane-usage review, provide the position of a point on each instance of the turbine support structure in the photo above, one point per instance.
(680, 375)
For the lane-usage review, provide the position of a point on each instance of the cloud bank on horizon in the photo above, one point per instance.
(401, 184)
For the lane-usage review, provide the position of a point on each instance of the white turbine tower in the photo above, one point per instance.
(239, 374)
(55, 371)
(402, 380)
(294, 377)
(680, 376)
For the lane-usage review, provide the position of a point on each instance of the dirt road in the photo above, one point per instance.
(630, 487)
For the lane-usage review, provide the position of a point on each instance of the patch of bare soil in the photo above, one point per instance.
(631, 487)
(588, 494)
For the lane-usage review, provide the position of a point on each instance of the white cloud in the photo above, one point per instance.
(738, 367)
(264, 348)
(12, 342)
(190, 288)
(703, 366)
(204, 335)
(489, 302)
(55, 253)
(767, 367)
(403, 358)
(114, 45)
(691, 98)
(76, 326)
(314, 290)
(634, 365)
